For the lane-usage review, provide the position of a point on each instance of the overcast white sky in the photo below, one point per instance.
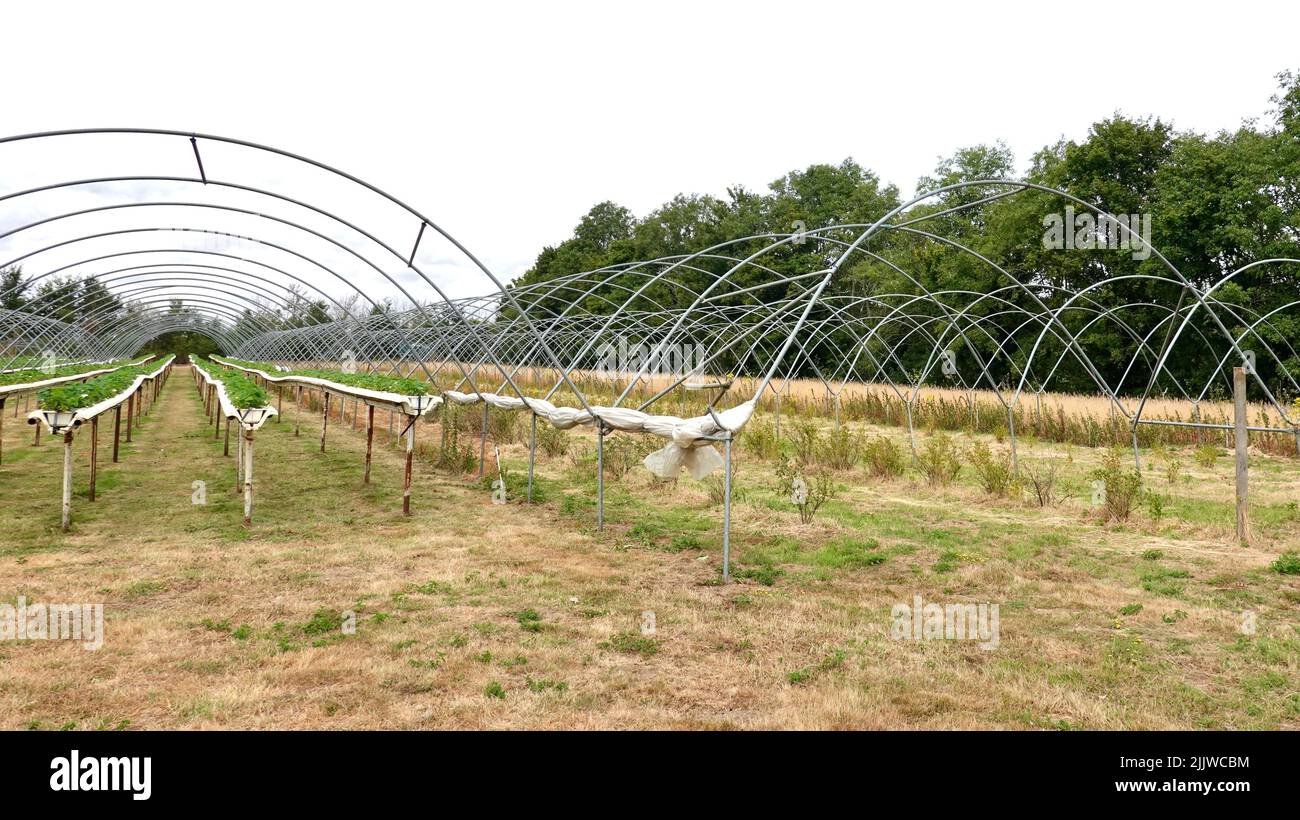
(505, 122)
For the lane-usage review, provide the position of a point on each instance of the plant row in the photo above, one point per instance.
(366, 381)
(66, 398)
(40, 374)
(242, 391)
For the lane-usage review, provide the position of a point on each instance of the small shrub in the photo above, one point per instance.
(503, 425)
(841, 449)
(1207, 455)
(717, 487)
(622, 453)
(808, 491)
(1042, 482)
(552, 441)
(992, 470)
(760, 439)
(1156, 506)
(804, 438)
(884, 457)
(938, 460)
(1122, 486)
(494, 690)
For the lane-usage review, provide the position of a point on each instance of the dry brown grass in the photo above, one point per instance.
(437, 591)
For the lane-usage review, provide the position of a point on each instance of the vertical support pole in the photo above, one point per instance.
(225, 451)
(117, 430)
(370, 439)
(216, 427)
(248, 477)
(482, 441)
(94, 455)
(67, 480)
(726, 510)
(1239, 426)
(130, 414)
(2, 427)
(297, 411)
(1011, 432)
(532, 455)
(410, 455)
(37, 442)
(778, 415)
(325, 421)
(279, 403)
(600, 475)
(239, 464)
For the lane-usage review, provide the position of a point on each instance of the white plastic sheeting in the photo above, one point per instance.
(688, 439)
(85, 414)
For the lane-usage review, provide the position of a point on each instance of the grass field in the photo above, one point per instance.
(472, 614)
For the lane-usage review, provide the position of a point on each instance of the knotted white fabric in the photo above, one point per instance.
(688, 439)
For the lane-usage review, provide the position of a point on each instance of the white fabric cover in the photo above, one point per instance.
(688, 445)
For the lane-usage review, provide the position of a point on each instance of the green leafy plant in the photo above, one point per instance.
(1288, 563)
(992, 470)
(939, 461)
(400, 385)
(807, 490)
(1123, 486)
(884, 457)
(77, 395)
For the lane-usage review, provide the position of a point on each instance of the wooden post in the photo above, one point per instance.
(37, 442)
(226, 449)
(2, 427)
(94, 454)
(325, 422)
(248, 477)
(130, 414)
(239, 463)
(279, 403)
(370, 439)
(67, 480)
(1239, 428)
(117, 429)
(410, 453)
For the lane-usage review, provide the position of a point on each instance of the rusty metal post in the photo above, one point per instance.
(325, 421)
(117, 430)
(370, 439)
(410, 455)
(94, 454)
